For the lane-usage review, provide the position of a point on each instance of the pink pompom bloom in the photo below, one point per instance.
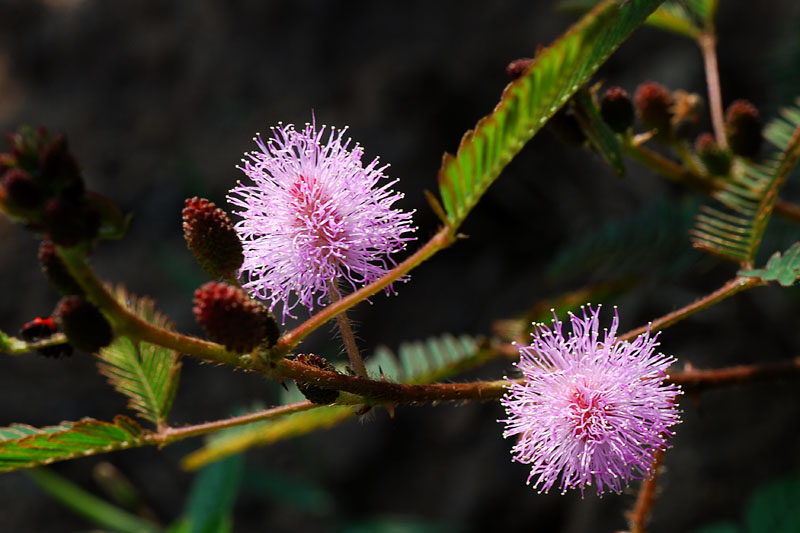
(314, 216)
(589, 410)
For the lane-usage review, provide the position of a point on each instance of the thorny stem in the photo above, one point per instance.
(708, 45)
(640, 514)
(706, 184)
(348, 338)
(730, 288)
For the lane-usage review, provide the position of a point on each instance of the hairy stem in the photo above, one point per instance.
(701, 182)
(171, 434)
(348, 338)
(640, 514)
(127, 323)
(442, 239)
(708, 45)
(730, 288)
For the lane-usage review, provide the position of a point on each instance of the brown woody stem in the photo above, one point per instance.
(708, 45)
(348, 337)
(640, 514)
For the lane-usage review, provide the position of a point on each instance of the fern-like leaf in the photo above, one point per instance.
(416, 362)
(24, 446)
(553, 77)
(734, 232)
(147, 374)
(599, 133)
(783, 268)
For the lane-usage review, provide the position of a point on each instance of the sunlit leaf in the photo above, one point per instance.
(556, 73)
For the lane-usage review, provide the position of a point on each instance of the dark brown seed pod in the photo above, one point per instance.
(230, 317)
(314, 393)
(56, 272)
(743, 128)
(21, 191)
(716, 160)
(84, 325)
(57, 165)
(616, 109)
(654, 107)
(210, 236)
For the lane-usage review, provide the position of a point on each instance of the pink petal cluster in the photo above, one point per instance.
(313, 216)
(589, 409)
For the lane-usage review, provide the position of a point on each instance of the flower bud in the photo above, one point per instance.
(21, 191)
(716, 160)
(210, 236)
(68, 222)
(230, 317)
(743, 128)
(40, 329)
(57, 165)
(314, 393)
(84, 325)
(56, 272)
(616, 109)
(686, 114)
(654, 107)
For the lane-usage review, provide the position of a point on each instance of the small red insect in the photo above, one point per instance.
(40, 329)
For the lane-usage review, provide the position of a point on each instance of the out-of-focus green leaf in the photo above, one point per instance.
(602, 137)
(213, 494)
(774, 508)
(308, 497)
(89, 506)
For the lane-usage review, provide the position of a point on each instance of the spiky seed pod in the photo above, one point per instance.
(84, 325)
(654, 107)
(516, 68)
(233, 319)
(743, 128)
(716, 160)
(56, 272)
(40, 329)
(686, 114)
(21, 191)
(616, 108)
(314, 393)
(210, 236)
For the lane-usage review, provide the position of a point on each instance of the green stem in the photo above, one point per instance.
(730, 288)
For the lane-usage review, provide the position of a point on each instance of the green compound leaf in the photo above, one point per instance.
(600, 134)
(773, 508)
(553, 77)
(416, 362)
(734, 232)
(24, 446)
(785, 269)
(147, 374)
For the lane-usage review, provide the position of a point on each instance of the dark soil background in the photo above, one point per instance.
(161, 98)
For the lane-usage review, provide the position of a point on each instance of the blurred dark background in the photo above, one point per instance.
(161, 98)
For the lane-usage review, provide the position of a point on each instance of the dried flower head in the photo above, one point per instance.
(314, 216)
(589, 411)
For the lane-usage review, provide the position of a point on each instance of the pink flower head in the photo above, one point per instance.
(314, 216)
(589, 410)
